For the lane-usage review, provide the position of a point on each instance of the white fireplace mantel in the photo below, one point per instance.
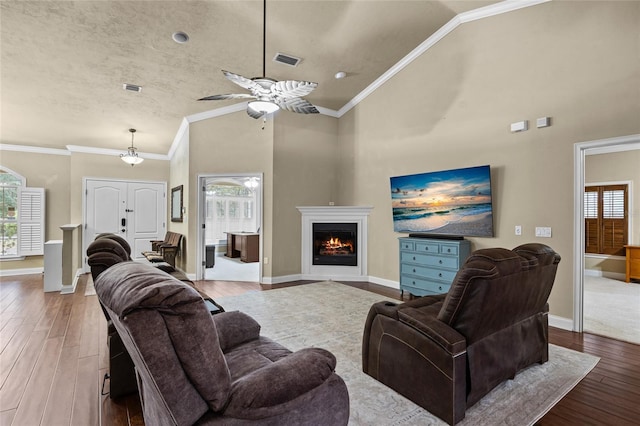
(334, 214)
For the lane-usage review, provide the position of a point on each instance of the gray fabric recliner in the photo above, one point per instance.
(195, 368)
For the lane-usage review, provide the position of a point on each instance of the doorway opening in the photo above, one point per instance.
(585, 279)
(229, 223)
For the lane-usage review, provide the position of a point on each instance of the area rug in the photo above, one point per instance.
(332, 316)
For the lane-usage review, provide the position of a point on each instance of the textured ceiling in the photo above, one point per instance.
(64, 62)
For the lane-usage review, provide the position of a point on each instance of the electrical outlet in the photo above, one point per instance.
(543, 231)
(266, 261)
(518, 230)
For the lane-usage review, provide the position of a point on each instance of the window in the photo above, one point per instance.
(21, 217)
(606, 221)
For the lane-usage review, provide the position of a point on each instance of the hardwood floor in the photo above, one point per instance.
(53, 356)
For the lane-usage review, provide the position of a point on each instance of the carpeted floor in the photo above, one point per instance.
(332, 315)
(612, 308)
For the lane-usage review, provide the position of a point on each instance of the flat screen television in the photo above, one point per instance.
(449, 202)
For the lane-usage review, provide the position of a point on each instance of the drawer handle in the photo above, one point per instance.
(414, 258)
(449, 250)
(426, 249)
(440, 288)
(414, 269)
(440, 274)
(414, 283)
(440, 261)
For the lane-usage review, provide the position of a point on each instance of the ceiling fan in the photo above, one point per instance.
(269, 95)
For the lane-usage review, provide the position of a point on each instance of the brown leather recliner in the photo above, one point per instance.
(445, 352)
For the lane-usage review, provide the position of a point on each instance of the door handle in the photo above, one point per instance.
(123, 221)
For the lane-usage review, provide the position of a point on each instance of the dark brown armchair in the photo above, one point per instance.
(446, 352)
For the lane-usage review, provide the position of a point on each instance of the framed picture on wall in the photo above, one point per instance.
(176, 204)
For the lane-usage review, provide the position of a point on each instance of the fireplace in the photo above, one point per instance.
(335, 244)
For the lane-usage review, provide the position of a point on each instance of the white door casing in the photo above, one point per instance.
(134, 210)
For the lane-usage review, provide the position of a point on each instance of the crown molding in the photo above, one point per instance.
(33, 149)
(114, 152)
(472, 15)
(182, 130)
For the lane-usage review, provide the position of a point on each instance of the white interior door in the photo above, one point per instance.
(134, 210)
(145, 215)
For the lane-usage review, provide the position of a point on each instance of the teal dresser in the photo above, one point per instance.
(428, 266)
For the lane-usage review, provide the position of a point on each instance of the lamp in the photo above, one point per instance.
(131, 157)
(251, 183)
(266, 107)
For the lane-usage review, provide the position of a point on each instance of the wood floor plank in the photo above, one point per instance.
(13, 349)
(60, 400)
(50, 313)
(9, 328)
(86, 400)
(34, 399)
(60, 324)
(89, 340)
(75, 324)
(14, 386)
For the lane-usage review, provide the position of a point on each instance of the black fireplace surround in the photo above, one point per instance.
(335, 244)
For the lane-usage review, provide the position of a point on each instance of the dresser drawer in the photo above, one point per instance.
(407, 245)
(449, 249)
(425, 247)
(424, 285)
(430, 273)
(429, 260)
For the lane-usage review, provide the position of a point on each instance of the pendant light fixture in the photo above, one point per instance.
(131, 157)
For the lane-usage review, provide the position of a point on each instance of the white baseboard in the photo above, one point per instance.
(281, 279)
(71, 288)
(561, 322)
(605, 274)
(24, 271)
(384, 282)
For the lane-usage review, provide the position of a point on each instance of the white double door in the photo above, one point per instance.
(134, 210)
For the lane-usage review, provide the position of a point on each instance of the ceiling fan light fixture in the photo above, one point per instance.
(131, 156)
(263, 106)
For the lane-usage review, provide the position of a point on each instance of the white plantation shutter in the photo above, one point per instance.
(31, 221)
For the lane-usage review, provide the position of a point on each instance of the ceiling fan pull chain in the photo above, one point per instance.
(264, 121)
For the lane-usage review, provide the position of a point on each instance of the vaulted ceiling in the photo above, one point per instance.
(64, 63)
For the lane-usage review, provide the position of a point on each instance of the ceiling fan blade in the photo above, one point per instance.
(298, 105)
(245, 82)
(253, 113)
(293, 88)
(229, 96)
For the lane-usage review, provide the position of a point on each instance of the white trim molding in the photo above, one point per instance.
(580, 150)
(33, 149)
(334, 214)
(22, 271)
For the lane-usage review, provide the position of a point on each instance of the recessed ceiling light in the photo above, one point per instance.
(340, 74)
(180, 37)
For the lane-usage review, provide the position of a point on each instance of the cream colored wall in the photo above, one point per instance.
(51, 172)
(576, 62)
(62, 176)
(232, 143)
(616, 167)
(179, 175)
(304, 162)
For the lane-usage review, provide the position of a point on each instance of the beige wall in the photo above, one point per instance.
(575, 62)
(232, 143)
(179, 175)
(305, 161)
(61, 176)
(616, 167)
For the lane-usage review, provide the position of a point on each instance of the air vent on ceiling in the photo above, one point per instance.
(292, 61)
(132, 87)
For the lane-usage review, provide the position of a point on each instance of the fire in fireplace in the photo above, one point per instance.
(335, 244)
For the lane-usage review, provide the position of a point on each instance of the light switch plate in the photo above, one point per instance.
(518, 230)
(543, 231)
